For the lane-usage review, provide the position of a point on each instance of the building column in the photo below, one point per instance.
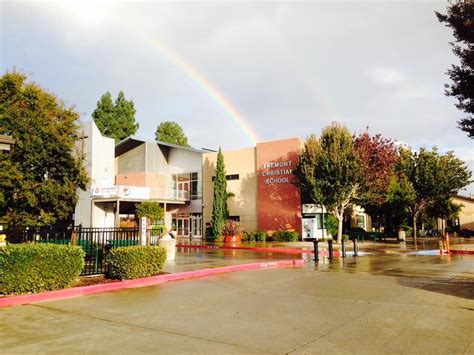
(167, 219)
(117, 214)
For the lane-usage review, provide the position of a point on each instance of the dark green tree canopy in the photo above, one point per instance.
(429, 178)
(219, 203)
(171, 132)
(151, 210)
(329, 170)
(40, 176)
(460, 18)
(115, 120)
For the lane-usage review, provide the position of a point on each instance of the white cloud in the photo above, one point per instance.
(387, 76)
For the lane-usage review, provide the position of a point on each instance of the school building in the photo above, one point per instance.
(259, 179)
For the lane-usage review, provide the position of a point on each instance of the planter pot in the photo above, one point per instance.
(401, 235)
(170, 246)
(232, 239)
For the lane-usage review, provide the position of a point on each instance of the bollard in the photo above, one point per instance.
(343, 248)
(447, 243)
(355, 246)
(316, 251)
(331, 251)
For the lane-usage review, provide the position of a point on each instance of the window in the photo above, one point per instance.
(319, 220)
(188, 184)
(361, 221)
(228, 177)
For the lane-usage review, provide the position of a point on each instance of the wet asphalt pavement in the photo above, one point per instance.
(394, 299)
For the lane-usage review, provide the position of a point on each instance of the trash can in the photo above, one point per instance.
(169, 243)
(401, 235)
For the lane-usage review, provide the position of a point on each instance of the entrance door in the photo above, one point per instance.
(182, 227)
(196, 226)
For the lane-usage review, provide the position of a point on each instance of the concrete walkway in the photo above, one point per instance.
(374, 304)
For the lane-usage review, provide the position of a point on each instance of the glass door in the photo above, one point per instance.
(182, 227)
(196, 226)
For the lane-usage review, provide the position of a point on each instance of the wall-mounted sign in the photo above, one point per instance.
(129, 192)
(278, 172)
(104, 191)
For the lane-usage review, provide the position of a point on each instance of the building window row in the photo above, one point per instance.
(188, 183)
(228, 177)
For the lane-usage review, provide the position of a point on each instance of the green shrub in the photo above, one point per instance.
(345, 237)
(285, 236)
(258, 236)
(26, 268)
(331, 223)
(135, 261)
(248, 236)
(261, 236)
(376, 235)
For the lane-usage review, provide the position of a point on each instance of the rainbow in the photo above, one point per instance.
(211, 91)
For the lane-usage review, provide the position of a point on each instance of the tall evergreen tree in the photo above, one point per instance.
(460, 17)
(115, 120)
(219, 204)
(40, 176)
(171, 132)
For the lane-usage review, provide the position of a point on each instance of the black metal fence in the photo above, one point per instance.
(96, 242)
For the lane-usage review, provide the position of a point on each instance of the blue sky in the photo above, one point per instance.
(290, 68)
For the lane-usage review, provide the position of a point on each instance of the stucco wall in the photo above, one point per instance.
(244, 203)
(466, 217)
(99, 163)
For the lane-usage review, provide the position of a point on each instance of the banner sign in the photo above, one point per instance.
(129, 192)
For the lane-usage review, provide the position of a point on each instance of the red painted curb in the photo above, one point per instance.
(225, 247)
(145, 281)
(267, 250)
(461, 251)
(258, 249)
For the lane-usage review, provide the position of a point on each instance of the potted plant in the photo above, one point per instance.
(231, 232)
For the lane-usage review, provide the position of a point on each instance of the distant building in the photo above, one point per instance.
(466, 217)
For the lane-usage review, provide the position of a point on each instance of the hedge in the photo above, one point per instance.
(26, 268)
(135, 261)
(258, 236)
(285, 236)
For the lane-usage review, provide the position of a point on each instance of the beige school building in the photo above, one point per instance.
(259, 180)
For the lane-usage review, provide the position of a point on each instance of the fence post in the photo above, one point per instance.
(343, 248)
(355, 246)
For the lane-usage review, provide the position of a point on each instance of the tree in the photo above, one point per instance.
(219, 204)
(40, 176)
(444, 208)
(460, 18)
(171, 132)
(433, 177)
(329, 171)
(151, 210)
(378, 157)
(115, 120)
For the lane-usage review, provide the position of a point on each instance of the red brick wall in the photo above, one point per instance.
(278, 200)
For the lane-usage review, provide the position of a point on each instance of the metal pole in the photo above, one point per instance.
(331, 251)
(343, 248)
(316, 250)
(355, 246)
